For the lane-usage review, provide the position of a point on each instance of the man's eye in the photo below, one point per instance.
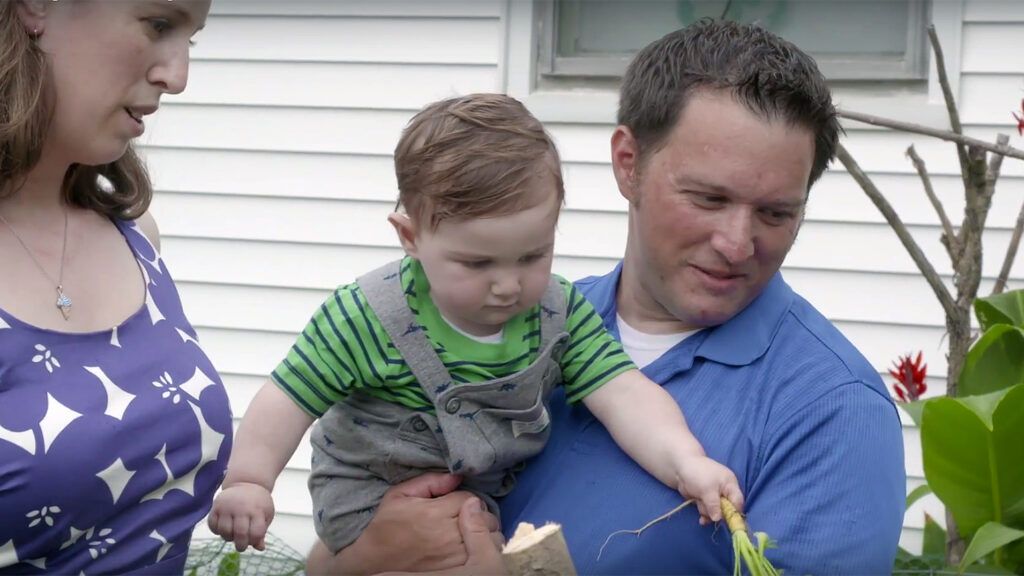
(710, 200)
(776, 216)
(475, 264)
(531, 258)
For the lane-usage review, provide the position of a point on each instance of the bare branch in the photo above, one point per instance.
(985, 185)
(995, 165)
(991, 176)
(952, 245)
(941, 292)
(947, 94)
(925, 130)
(1011, 253)
(967, 276)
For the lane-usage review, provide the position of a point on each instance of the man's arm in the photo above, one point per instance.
(832, 487)
(415, 528)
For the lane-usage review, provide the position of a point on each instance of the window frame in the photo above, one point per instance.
(913, 65)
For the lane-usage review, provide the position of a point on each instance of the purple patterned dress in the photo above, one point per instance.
(112, 443)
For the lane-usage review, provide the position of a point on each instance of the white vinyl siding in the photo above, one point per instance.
(274, 180)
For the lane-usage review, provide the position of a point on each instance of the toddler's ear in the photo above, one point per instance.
(406, 230)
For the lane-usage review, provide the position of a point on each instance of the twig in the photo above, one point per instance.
(952, 245)
(941, 292)
(640, 530)
(987, 188)
(925, 130)
(1011, 253)
(995, 165)
(947, 95)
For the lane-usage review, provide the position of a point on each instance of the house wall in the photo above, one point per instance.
(274, 179)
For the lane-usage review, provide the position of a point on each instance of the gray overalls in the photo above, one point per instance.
(482, 430)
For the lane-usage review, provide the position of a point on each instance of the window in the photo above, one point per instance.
(851, 40)
(574, 76)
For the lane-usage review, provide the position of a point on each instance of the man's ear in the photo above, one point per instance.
(32, 14)
(406, 230)
(625, 162)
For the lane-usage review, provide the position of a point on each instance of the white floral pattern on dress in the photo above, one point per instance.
(46, 357)
(44, 514)
(100, 545)
(166, 383)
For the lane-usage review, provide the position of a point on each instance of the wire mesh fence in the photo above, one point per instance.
(215, 557)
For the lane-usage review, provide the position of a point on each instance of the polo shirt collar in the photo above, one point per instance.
(738, 342)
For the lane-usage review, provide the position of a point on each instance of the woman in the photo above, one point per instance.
(114, 426)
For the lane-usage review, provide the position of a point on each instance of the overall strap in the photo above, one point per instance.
(553, 312)
(383, 290)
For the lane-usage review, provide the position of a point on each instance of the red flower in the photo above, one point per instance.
(1019, 119)
(909, 375)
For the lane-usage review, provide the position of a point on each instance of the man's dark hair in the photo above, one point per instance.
(770, 76)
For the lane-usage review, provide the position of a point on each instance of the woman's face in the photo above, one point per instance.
(111, 61)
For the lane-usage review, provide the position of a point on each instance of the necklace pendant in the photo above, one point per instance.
(64, 303)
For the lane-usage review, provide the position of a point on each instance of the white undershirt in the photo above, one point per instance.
(644, 348)
(495, 338)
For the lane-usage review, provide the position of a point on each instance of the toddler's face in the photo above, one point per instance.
(484, 271)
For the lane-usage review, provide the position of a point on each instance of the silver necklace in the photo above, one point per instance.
(63, 301)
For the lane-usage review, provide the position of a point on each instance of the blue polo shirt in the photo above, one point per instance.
(782, 398)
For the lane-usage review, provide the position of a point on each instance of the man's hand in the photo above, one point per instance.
(415, 528)
(482, 539)
(483, 544)
(241, 513)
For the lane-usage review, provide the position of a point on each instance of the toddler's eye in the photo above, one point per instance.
(160, 25)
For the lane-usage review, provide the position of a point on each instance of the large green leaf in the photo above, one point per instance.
(994, 362)
(972, 457)
(990, 536)
(1014, 555)
(913, 409)
(933, 542)
(1005, 308)
(918, 493)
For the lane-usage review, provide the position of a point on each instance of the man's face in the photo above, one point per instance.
(713, 213)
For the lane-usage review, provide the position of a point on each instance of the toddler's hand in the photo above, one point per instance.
(241, 513)
(706, 482)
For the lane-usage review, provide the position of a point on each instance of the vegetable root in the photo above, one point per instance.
(746, 554)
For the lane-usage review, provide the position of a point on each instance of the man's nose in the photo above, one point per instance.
(734, 238)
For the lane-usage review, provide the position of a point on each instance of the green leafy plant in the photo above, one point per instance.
(215, 557)
(980, 164)
(971, 446)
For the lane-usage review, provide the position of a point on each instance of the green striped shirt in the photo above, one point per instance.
(345, 348)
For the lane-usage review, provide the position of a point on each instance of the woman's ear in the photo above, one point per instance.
(406, 230)
(32, 14)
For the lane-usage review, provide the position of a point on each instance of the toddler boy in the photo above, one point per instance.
(445, 359)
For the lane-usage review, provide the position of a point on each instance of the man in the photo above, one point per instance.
(722, 131)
